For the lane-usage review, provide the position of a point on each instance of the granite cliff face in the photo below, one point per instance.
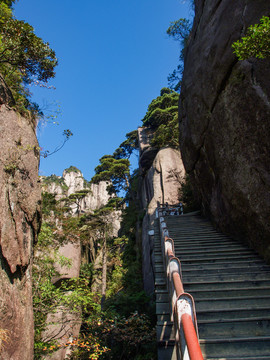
(73, 181)
(20, 200)
(224, 121)
(161, 173)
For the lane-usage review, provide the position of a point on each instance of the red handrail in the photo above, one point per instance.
(193, 345)
(183, 318)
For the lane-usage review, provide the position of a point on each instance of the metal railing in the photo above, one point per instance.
(182, 304)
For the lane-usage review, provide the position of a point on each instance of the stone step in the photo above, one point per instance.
(196, 236)
(223, 262)
(214, 256)
(233, 284)
(167, 350)
(234, 268)
(208, 250)
(165, 331)
(187, 278)
(223, 348)
(209, 258)
(231, 302)
(162, 308)
(210, 245)
(234, 328)
(231, 287)
(162, 297)
(228, 251)
(226, 264)
(232, 313)
(217, 258)
(240, 358)
(166, 317)
(233, 292)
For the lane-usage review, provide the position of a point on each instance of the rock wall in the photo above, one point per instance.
(161, 176)
(224, 121)
(20, 200)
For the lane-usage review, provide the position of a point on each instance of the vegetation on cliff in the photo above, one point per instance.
(108, 297)
(162, 118)
(24, 59)
(256, 43)
(179, 31)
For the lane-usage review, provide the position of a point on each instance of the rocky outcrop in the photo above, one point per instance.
(147, 152)
(73, 181)
(224, 121)
(19, 222)
(161, 175)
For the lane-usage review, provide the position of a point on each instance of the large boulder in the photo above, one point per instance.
(20, 200)
(224, 121)
(160, 184)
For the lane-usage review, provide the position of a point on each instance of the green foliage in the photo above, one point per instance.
(76, 199)
(118, 337)
(49, 203)
(161, 109)
(179, 30)
(22, 50)
(48, 180)
(24, 59)
(127, 147)
(124, 327)
(9, 3)
(256, 43)
(73, 295)
(72, 169)
(162, 117)
(113, 170)
(187, 197)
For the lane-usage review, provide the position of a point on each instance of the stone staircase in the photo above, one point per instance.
(230, 284)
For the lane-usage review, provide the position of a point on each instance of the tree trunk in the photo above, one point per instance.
(104, 272)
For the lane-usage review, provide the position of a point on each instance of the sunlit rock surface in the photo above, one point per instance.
(72, 182)
(161, 175)
(224, 121)
(20, 200)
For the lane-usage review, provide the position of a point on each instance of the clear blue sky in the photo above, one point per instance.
(114, 57)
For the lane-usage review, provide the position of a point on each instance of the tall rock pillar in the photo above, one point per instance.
(161, 173)
(20, 200)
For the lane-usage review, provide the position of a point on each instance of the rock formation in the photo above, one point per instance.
(73, 181)
(161, 175)
(20, 200)
(64, 326)
(224, 121)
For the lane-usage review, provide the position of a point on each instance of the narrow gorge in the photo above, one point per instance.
(77, 277)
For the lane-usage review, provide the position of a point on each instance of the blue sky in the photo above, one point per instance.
(114, 57)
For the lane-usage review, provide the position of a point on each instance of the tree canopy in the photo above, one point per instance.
(9, 3)
(179, 30)
(256, 43)
(24, 57)
(115, 171)
(128, 146)
(162, 118)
